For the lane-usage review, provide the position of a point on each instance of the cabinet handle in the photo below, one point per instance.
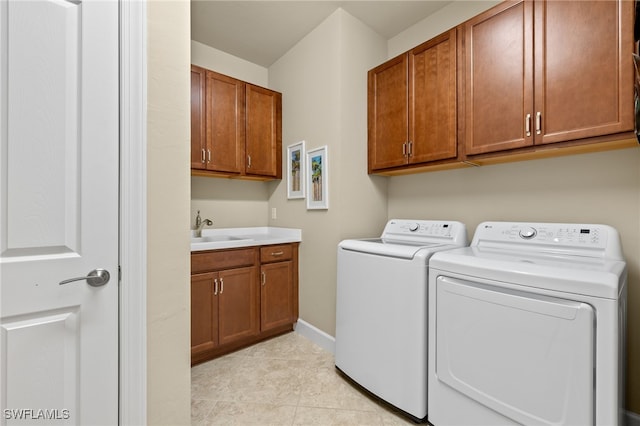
(263, 279)
(221, 285)
(538, 123)
(203, 157)
(277, 253)
(527, 125)
(404, 149)
(215, 287)
(409, 153)
(249, 161)
(209, 155)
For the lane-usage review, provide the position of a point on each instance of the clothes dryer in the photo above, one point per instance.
(527, 326)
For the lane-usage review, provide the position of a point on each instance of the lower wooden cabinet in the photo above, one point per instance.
(278, 281)
(241, 296)
(204, 314)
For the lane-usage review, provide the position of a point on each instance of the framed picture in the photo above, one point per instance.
(295, 170)
(317, 179)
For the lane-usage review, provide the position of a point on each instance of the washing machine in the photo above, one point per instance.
(381, 309)
(527, 326)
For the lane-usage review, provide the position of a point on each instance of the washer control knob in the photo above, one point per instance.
(528, 233)
(414, 227)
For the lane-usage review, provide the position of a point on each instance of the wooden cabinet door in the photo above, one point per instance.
(432, 100)
(238, 304)
(263, 109)
(204, 313)
(276, 295)
(388, 114)
(499, 78)
(225, 123)
(584, 70)
(198, 128)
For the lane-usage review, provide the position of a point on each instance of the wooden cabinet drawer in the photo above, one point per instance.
(276, 253)
(223, 259)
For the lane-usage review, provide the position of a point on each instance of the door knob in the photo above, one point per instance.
(96, 278)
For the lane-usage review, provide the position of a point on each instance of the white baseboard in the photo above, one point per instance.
(633, 419)
(316, 335)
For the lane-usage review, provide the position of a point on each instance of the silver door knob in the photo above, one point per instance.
(96, 278)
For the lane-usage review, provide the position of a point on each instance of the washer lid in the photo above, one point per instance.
(563, 273)
(386, 247)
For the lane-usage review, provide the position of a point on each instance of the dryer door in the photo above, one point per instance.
(528, 357)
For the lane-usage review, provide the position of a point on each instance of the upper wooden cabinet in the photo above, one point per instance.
(236, 127)
(542, 72)
(263, 131)
(412, 106)
(433, 100)
(198, 125)
(388, 114)
(532, 76)
(225, 122)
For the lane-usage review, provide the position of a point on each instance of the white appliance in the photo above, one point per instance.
(381, 309)
(527, 326)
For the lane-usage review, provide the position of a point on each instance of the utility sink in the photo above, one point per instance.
(224, 238)
(217, 238)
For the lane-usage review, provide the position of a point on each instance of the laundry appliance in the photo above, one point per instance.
(527, 326)
(381, 309)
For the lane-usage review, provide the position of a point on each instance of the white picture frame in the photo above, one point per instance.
(317, 179)
(296, 163)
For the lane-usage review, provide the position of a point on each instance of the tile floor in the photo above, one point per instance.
(287, 380)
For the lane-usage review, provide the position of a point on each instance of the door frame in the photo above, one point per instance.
(133, 213)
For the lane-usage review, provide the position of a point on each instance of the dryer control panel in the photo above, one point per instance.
(579, 239)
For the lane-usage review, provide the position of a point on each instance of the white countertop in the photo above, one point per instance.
(224, 238)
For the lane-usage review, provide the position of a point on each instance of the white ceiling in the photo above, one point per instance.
(263, 31)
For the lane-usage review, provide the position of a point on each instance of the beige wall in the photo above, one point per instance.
(323, 81)
(168, 320)
(589, 188)
(230, 203)
(219, 61)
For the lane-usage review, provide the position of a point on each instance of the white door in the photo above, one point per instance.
(58, 211)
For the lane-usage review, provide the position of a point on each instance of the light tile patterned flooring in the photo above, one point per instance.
(287, 380)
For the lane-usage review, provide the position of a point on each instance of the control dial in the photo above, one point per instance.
(414, 227)
(528, 233)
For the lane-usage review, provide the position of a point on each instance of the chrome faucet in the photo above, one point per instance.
(201, 224)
